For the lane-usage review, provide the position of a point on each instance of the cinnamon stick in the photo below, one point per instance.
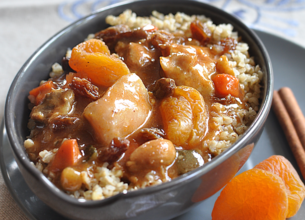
(290, 131)
(294, 111)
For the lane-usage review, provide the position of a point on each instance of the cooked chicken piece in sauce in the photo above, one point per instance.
(190, 66)
(123, 109)
(135, 55)
(140, 59)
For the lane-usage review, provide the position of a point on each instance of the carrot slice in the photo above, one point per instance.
(67, 155)
(40, 92)
(226, 84)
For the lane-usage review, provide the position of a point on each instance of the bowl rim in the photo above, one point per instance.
(183, 179)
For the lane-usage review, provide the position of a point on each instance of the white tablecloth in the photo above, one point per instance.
(26, 24)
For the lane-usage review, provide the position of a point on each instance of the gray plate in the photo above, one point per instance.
(288, 64)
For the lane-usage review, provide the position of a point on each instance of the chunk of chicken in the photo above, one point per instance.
(123, 109)
(184, 117)
(190, 66)
(135, 55)
(140, 59)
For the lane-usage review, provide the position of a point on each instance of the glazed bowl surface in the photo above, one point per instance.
(163, 201)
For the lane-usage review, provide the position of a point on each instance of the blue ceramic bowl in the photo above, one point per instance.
(158, 202)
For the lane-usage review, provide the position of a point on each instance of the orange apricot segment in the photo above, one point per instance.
(92, 46)
(177, 116)
(92, 58)
(184, 117)
(280, 166)
(253, 195)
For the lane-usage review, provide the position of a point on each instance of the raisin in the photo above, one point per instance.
(85, 88)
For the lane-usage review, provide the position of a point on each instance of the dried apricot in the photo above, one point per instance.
(93, 59)
(184, 117)
(93, 46)
(280, 166)
(177, 118)
(253, 195)
(199, 113)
